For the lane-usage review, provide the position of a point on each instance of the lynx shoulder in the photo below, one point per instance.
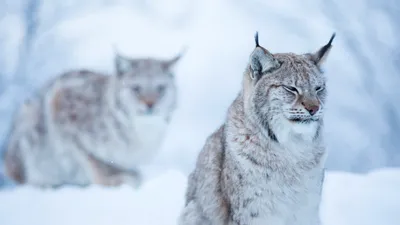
(86, 127)
(265, 164)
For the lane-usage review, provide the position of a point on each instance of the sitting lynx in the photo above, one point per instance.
(265, 164)
(85, 127)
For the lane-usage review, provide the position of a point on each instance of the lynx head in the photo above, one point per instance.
(147, 86)
(285, 92)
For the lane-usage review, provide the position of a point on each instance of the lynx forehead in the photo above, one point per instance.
(265, 164)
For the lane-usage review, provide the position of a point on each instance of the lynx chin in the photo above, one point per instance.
(87, 128)
(265, 164)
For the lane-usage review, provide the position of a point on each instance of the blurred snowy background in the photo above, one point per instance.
(39, 39)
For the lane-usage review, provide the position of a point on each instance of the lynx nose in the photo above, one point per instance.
(311, 108)
(149, 103)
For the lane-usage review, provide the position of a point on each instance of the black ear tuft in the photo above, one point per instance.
(256, 39)
(333, 36)
(170, 63)
(322, 52)
(320, 56)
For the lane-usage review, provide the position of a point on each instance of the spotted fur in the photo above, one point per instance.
(85, 127)
(265, 164)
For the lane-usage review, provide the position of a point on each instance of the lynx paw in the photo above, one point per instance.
(134, 181)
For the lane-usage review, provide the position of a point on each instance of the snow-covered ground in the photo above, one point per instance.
(219, 37)
(348, 199)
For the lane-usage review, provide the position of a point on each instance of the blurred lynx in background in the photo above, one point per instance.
(85, 127)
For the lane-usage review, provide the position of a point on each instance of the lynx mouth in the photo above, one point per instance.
(147, 113)
(303, 120)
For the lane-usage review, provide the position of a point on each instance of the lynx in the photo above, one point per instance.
(89, 128)
(265, 164)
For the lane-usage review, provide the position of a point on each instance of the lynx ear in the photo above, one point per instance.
(122, 64)
(168, 64)
(321, 55)
(261, 61)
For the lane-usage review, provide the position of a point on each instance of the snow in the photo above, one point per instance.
(362, 199)
(157, 202)
(348, 199)
(219, 37)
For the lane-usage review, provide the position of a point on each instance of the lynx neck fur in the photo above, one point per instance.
(265, 164)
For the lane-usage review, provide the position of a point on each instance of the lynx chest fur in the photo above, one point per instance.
(279, 183)
(148, 130)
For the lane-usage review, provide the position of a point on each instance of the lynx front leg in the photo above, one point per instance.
(110, 175)
(192, 216)
(133, 178)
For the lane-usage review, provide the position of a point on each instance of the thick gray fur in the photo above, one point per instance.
(265, 164)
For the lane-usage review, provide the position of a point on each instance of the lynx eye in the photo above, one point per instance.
(137, 89)
(290, 89)
(161, 88)
(318, 89)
